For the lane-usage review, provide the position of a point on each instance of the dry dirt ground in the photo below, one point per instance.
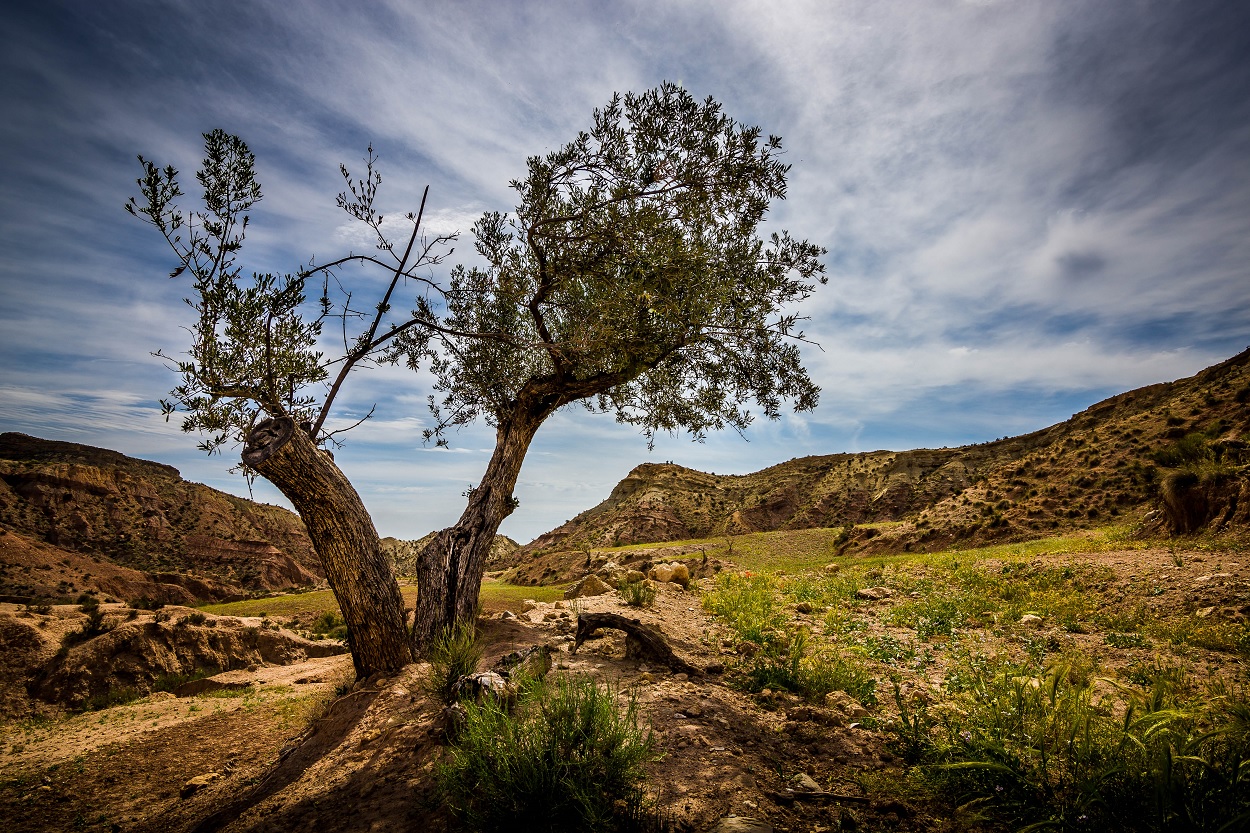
(301, 750)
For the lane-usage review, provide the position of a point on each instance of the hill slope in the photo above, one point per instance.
(1101, 463)
(72, 510)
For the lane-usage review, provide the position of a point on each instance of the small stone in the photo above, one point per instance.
(805, 783)
(832, 568)
(1204, 612)
(681, 677)
(874, 594)
(199, 782)
(681, 574)
(662, 572)
(1031, 620)
(803, 607)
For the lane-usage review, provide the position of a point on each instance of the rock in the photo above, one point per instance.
(1204, 612)
(483, 686)
(507, 614)
(591, 585)
(662, 572)
(832, 568)
(803, 607)
(845, 703)
(1031, 620)
(528, 604)
(805, 783)
(681, 574)
(198, 783)
(874, 594)
(742, 824)
(634, 576)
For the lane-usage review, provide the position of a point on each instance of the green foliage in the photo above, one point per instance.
(1038, 752)
(568, 758)
(329, 625)
(638, 593)
(630, 276)
(750, 605)
(251, 345)
(456, 653)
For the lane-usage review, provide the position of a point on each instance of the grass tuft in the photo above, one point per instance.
(567, 758)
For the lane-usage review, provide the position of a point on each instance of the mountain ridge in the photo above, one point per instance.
(1095, 466)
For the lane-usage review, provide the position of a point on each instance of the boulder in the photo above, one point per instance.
(591, 585)
(662, 572)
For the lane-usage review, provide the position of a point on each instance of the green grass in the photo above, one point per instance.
(495, 596)
(569, 757)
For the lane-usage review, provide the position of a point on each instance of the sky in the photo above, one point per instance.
(1029, 205)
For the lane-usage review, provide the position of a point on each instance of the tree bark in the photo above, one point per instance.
(343, 534)
(449, 569)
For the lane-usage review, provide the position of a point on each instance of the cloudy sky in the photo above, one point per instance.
(1029, 205)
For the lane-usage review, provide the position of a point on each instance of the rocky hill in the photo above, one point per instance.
(1125, 454)
(403, 554)
(74, 518)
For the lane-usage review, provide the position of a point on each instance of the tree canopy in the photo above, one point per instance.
(630, 275)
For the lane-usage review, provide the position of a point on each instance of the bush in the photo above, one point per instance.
(453, 655)
(568, 758)
(638, 593)
(329, 625)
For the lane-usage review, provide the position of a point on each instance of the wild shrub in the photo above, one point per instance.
(456, 653)
(329, 625)
(638, 593)
(749, 604)
(568, 757)
(94, 626)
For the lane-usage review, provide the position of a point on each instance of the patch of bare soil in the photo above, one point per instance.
(284, 754)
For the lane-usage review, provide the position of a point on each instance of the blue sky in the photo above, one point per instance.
(1028, 205)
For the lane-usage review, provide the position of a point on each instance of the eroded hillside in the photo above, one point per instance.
(1103, 462)
(73, 514)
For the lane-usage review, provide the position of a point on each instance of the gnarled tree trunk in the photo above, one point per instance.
(344, 537)
(449, 569)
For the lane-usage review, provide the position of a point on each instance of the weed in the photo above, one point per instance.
(1126, 640)
(749, 604)
(453, 655)
(568, 758)
(638, 593)
(329, 625)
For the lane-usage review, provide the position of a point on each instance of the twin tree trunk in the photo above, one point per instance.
(449, 570)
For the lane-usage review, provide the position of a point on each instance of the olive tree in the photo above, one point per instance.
(629, 278)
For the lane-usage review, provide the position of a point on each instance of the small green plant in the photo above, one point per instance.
(567, 758)
(749, 604)
(638, 593)
(329, 625)
(453, 655)
(94, 626)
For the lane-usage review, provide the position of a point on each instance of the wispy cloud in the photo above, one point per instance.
(1028, 205)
